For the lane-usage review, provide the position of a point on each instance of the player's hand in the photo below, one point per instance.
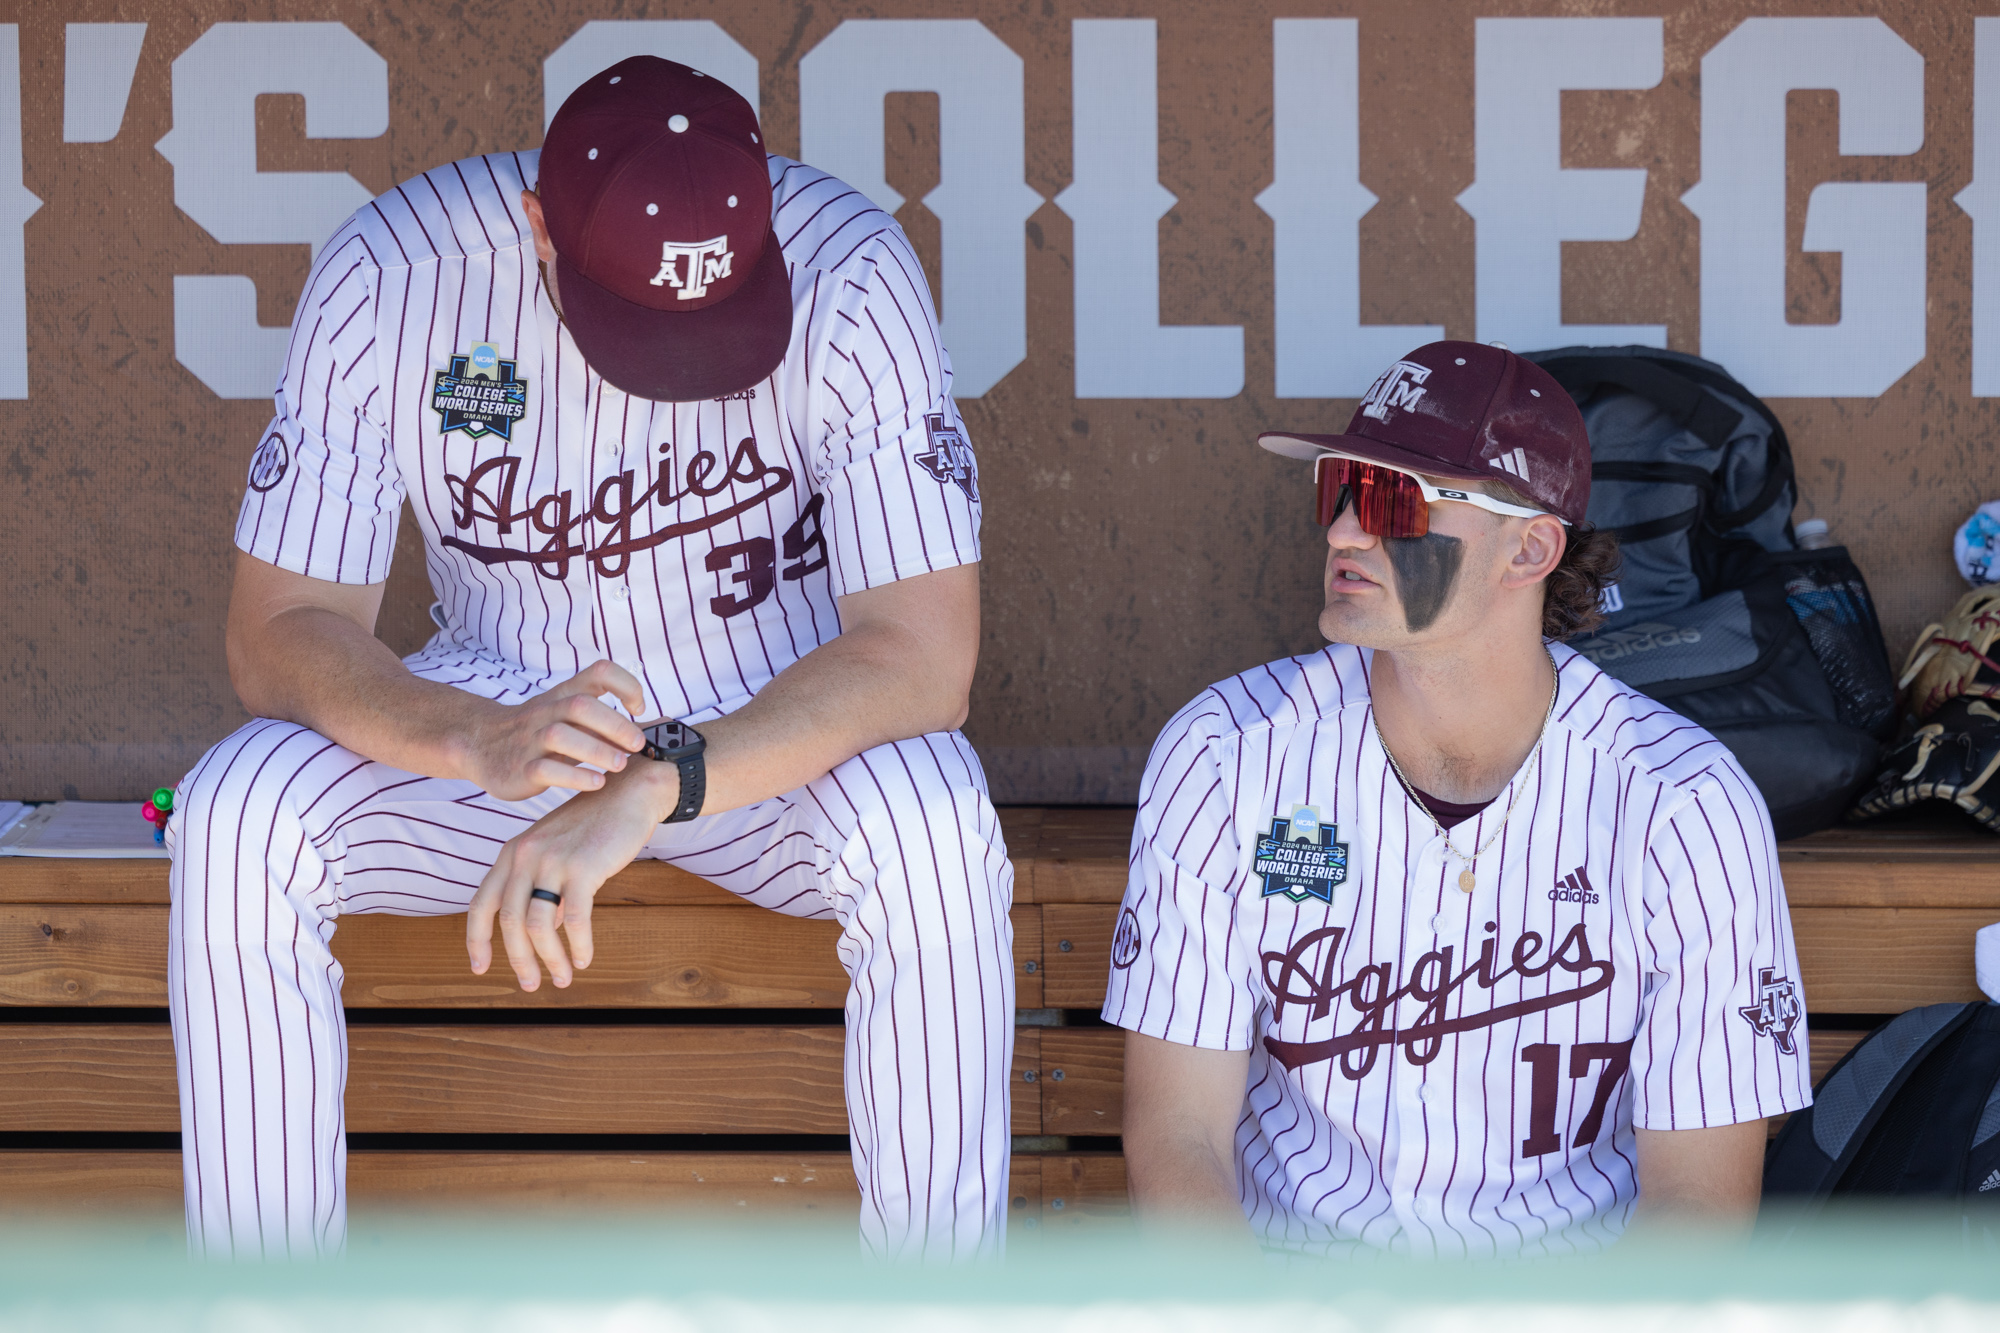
(570, 851)
(521, 750)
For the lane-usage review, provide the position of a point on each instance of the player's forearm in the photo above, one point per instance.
(321, 670)
(872, 685)
(901, 666)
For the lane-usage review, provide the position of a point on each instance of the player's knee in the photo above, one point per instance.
(952, 819)
(242, 791)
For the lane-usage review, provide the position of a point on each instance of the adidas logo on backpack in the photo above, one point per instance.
(1913, 1110)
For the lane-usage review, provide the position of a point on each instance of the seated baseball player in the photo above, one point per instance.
(1439, 940)
(676, 423)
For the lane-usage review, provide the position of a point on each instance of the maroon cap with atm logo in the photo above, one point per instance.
(657, 196)
(1470, 412)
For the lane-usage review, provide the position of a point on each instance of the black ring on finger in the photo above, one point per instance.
(546, 896)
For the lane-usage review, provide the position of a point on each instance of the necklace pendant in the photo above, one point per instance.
(1466, 880)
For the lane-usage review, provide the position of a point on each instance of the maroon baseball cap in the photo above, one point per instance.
(658, 199)
(1470, 412)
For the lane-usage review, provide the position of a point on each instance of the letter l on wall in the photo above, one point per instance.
(1316, 202)
(1116, 202)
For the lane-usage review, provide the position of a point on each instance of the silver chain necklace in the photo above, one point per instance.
(1467, 881)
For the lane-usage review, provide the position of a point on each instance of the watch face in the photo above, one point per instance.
(671, 736)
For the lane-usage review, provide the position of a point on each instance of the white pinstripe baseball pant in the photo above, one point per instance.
(278, 831)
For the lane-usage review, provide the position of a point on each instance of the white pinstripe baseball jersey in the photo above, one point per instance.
(699, 545)
(702, 546)
(1440, 1072)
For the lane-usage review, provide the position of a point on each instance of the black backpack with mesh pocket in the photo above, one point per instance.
(1914, 1110)
(1717, 612)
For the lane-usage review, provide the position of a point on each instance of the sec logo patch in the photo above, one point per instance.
(1125, 941)
(270, 463)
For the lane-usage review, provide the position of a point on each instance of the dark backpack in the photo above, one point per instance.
(1913, 1110)
(1717, 613)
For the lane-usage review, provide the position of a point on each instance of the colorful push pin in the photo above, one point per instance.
(156, 809)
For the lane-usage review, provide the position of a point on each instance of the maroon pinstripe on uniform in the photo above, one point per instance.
(1439, 1072)
(700, 545)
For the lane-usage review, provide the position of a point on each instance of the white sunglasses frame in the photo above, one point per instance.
(1436, 494)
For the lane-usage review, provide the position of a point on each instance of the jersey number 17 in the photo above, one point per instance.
(1544, 1060)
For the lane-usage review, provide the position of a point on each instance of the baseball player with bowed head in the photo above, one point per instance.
(1440, 940)
(676, 423)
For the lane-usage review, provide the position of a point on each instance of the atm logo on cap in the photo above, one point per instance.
(707, 261)
(1401, 385)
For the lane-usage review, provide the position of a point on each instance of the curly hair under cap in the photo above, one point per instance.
(1573, 593)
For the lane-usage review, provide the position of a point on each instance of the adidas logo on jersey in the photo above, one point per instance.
(1575, 887)
(1991, 1182)
(1515, 463)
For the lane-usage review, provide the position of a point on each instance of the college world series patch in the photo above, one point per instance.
(480, 394)
(1300, 859)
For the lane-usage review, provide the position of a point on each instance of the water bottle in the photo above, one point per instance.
(1812, 534)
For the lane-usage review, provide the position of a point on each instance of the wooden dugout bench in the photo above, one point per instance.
(697, 1062)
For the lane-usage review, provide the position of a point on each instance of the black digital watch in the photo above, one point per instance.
(681, 745)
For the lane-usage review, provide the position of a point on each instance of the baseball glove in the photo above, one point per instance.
(1956, 658)
(1951, 749)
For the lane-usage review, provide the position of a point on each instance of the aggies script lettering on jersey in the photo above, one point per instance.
(700, 545)
(1433, 1071)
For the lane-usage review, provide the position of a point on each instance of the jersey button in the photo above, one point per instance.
(622, 591)
(1428, 1093)
(1440, 924)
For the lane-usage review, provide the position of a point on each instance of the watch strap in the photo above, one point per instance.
(694, 787)
(684, 751)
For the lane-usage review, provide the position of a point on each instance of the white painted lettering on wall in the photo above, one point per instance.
(1981, 199)
(1316, 202)
(1524, 203)
(982, 200)
(1878, 227)
(213, 147)
(1117, 201)
(17, 205)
